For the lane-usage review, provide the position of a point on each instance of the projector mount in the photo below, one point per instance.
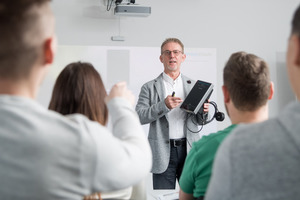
(117, 2)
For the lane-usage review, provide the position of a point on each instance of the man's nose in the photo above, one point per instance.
(172, 54)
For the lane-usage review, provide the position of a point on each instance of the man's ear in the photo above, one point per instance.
(225, 94)
(49, 50)
(183, 57)
(161, 58)
(271, 90)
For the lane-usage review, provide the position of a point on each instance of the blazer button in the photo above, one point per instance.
(167, 141)
(161, 112)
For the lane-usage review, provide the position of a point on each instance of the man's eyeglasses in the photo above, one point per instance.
(175, 52)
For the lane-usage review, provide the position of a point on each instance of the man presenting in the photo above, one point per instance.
(158, 104)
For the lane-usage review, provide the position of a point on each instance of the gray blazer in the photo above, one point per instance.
(151, 108)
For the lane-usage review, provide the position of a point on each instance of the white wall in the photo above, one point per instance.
(258, 26)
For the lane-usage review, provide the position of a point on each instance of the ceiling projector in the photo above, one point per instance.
(132, 10)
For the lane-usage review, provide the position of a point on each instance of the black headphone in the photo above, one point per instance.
(219, 116)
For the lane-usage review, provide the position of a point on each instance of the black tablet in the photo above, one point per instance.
(200, 92)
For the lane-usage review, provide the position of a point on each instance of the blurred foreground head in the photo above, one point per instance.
(26, 34)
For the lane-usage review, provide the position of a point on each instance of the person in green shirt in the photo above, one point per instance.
(246, 90)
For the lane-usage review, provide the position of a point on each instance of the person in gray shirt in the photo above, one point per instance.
(261, 161)
(45, 155)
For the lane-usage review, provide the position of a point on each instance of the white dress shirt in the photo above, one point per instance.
(176, 115)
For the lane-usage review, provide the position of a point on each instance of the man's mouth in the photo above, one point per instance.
(172, 61)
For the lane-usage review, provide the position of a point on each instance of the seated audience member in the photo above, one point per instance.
(45, 155)
(79, 89)
(261, 161)
(247, 88)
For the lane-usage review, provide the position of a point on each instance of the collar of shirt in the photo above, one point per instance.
(173, 86)
(169, 80)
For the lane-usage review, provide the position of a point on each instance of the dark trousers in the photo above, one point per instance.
(167, 179)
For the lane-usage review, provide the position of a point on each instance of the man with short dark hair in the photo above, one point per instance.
(247, 88)
(261, 161)
(45, 155)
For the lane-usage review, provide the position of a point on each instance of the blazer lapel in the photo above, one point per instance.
(159, 86)
(187, 84)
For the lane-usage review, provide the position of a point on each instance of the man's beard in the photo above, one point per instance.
(172, 69)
